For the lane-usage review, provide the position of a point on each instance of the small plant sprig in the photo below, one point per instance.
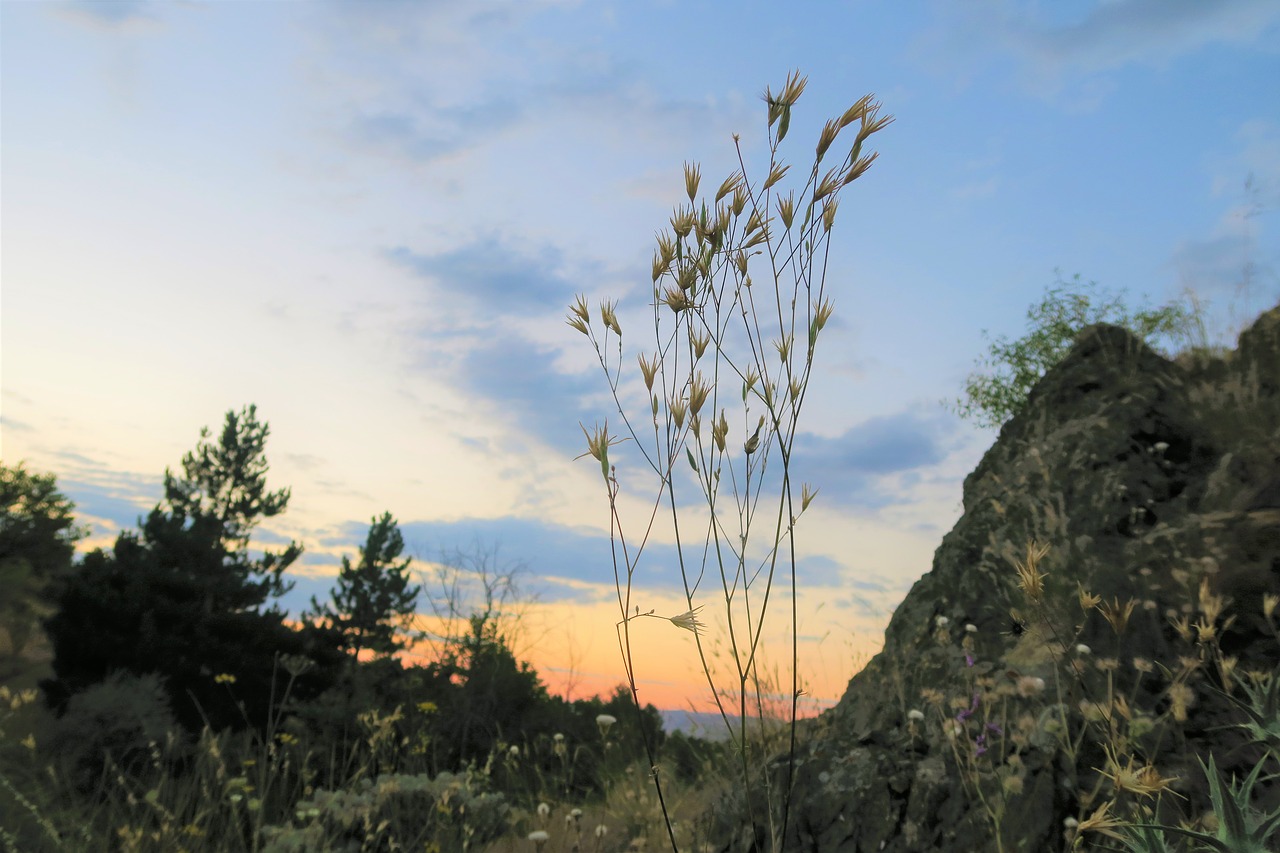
(739, 300)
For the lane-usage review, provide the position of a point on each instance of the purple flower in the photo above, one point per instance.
(966, 714)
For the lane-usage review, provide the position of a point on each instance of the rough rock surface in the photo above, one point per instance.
(1145, 477)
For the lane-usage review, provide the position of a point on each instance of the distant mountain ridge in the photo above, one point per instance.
(708, 725)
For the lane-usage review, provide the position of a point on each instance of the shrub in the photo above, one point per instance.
(116, 723)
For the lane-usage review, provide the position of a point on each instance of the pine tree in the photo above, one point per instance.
(38, 536)
(183, 597)
(373, 599)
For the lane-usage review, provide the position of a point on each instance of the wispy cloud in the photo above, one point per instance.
(112, 14)
(535, 549)
(426, 136)
(1061, 46)
(853, 467)
(493, 278)
(528, 392)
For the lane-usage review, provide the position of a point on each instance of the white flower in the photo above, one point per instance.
(515, 750)
(605, 722)
(539, 837)
(602, 831)
(1161, 446)
(1030, 685)
(689, 620)
(543, 810)
(971, 628)
(1083, 650)
(942, 621)
(915, 715)
(557, 737)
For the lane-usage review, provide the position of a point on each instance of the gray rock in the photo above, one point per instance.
(1146, 477)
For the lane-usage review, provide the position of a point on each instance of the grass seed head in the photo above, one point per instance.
(689, 620)
(692, 175)
(1030, 578)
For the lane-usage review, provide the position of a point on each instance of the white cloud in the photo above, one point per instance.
(1058, 48)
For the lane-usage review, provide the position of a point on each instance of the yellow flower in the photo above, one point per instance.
(1103, 823)
(1143, 780)
(224, 678)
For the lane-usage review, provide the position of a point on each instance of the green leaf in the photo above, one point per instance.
(693, 463)
(785, 122)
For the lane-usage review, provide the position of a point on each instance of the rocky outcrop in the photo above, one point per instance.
(1146, 478)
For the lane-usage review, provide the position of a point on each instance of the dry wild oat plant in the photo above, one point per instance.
(739, 300)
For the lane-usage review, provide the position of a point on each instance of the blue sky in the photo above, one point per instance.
(369, 219)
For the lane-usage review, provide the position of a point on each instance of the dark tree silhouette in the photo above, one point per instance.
(373, 599)
(184, 597)
(38, 536)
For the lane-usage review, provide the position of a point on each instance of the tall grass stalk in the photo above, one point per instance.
(717, 419)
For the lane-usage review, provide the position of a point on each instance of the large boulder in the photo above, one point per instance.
(1147, 478)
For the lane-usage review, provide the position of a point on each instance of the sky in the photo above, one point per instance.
(369, 219)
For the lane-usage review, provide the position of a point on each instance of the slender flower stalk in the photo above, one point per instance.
(738, 301)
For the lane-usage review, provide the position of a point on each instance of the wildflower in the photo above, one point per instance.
(1181, 697)
(970, 628)
(915, 715)
(602, 831)
(1103, 823)
(544, 811)
(968, 712)
(1145, 780)
(1029, 575)
(941, 621)
(224, 678)
(514, 751)
(557, 737)
(1117, 614)
(1083, 650)
(687, 620)
(539, 837)
(980, 742)
(1070, 822)
(1092, 711)
(1030, 685)
(605, 722)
